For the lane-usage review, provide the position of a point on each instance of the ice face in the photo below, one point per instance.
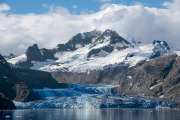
(76, 90)
(90, 96)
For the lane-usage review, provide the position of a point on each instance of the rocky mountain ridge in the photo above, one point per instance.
(158, 77)
(89, 51)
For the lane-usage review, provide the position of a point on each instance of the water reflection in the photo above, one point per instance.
(91, 114)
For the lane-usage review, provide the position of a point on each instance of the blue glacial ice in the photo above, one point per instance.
(90, 96)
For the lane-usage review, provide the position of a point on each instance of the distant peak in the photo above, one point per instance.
(95, 30)
(35, 45)
(160, 47)
(109, 32)
(162, 44)
(93, 33)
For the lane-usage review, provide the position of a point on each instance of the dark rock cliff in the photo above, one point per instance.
(33, 53)
(17, 84)
(10, 83)
(6, 103)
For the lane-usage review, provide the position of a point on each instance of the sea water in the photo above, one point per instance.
(91, 114)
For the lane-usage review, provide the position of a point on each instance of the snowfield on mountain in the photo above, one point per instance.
(93, 51)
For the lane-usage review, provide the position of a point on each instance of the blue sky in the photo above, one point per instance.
(74, 6)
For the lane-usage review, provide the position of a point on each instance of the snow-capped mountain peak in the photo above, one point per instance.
(93, 33)
(110, 37)
(92, 51)
(160, 47)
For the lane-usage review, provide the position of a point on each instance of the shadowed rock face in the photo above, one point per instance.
(38, 79)
(172, 82)
(149, 78)
(17, 84)
(79, 39)
(48, 53)
(12, 84)
(6, 103)
(33, 53)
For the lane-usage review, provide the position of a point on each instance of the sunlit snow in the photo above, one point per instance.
(18, 59)
(77, 61)
(155, 85)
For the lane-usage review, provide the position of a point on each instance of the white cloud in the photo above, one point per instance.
(4, 7)
(45, 5)
(74, 6)
(86, 11)
(104, 0)
(17, 32)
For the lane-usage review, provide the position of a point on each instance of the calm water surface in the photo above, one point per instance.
(91, 114)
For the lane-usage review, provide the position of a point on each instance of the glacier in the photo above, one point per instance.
(79, 96)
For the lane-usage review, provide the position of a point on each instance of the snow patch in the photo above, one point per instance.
(78, 46)
(177, 52)
(155, 85)
(19, 59)
(162, 96)
(38, 65)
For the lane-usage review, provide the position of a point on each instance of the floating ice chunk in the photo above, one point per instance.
(7, 116)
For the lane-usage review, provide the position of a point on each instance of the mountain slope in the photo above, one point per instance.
(158, 77)
(17, 84)
(11, 83)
